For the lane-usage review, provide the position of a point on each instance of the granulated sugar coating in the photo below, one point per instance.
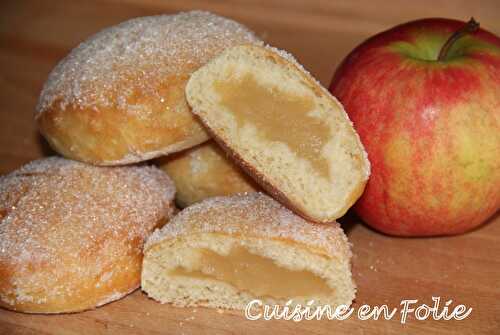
(253, 215)
(71, 234)
(139, 55)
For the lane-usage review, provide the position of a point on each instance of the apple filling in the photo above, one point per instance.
(257, 275)
(278, 116)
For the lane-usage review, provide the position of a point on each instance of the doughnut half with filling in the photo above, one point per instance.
(282, 127)
(226, 251)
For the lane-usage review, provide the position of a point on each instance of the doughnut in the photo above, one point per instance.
(72, 234)
(227, 251)
(118, 97)
(283, 128)
(204, 172)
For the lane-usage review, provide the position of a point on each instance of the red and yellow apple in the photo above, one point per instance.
(425, 99)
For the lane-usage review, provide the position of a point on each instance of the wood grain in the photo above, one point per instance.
(34, 35)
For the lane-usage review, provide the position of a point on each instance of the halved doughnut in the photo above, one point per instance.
(283, 128)
(226, 251)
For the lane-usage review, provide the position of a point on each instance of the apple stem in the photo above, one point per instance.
(468, 28)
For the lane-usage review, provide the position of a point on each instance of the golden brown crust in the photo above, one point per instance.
(72, 234)
(114, 137)
(204, 171)
(118, 98)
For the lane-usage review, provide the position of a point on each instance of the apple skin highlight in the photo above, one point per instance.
(431, 128)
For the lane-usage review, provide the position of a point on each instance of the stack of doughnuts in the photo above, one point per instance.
(202, 96)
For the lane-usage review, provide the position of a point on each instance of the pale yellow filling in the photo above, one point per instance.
(255, 274)
(278, 116)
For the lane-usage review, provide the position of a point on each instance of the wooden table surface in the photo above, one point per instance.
(34, 35)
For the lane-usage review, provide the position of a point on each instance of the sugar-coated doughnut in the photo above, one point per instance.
(71, 234)
(119, 98)
(203, 172)
(226, 251)
(283, 128)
